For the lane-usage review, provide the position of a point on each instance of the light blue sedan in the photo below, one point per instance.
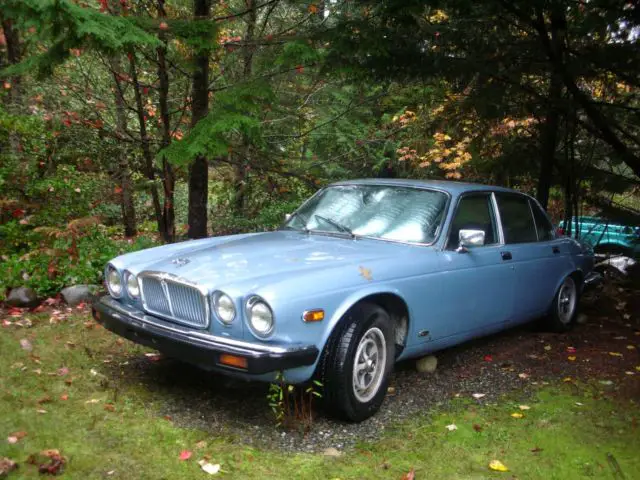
(363, 274)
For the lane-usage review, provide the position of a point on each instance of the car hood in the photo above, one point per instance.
(252, 257)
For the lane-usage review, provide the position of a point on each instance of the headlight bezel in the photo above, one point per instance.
(215, 303)
(107, 280)
(127, 277)
(250, 304)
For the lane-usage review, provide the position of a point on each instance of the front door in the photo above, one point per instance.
(478, 283)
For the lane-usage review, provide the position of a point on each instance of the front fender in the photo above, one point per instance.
(352, 299)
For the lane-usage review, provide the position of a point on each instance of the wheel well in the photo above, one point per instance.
(578, 276)
(397, 310)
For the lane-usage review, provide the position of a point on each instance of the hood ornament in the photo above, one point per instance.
(180, 262)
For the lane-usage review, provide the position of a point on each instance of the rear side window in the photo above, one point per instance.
(543, 225)
(517, 221)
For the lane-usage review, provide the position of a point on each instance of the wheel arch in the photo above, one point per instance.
(391, 300)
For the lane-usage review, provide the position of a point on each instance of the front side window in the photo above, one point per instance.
(517, 221)
(543, 225)
(402, 214)
(474, 212)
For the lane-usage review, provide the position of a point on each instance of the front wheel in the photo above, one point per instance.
(357, 362)
(564, 310)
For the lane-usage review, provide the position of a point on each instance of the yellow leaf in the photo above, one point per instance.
(638, 368)
(615, 354)
(517, 415)
(631, 347)
(498, 466)
(524, 407)
(567, 379)
(571, 358)
(547, 347)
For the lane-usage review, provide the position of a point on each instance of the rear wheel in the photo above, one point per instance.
(564, 310)
(357, 362)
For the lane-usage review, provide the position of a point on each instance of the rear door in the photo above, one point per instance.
(539, 258)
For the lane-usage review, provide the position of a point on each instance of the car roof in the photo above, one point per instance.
(446, 185)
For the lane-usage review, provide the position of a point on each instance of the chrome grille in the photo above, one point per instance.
(173, 300)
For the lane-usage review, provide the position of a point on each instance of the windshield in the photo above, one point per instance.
(394, 213)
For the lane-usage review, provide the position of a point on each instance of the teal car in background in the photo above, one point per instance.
(606, 237)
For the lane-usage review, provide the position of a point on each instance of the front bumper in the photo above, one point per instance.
(199, 348)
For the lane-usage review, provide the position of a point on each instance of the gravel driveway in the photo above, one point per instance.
(514, 361)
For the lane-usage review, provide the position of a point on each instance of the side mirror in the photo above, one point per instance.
(470, 238)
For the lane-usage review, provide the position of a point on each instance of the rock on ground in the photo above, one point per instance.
(22, 297)
(427, 364)
(77, 294)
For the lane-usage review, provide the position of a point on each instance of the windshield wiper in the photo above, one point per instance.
(337, 225)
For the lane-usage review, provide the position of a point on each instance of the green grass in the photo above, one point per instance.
(134, 441)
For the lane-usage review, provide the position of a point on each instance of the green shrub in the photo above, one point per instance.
(48, 270)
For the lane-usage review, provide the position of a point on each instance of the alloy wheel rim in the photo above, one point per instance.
(369, 365)
(567, 301)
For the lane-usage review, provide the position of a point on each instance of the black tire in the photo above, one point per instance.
(341, 397)
(563, 313)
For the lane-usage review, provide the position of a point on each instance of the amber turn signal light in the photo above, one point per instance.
(233, 361)
(313, 315)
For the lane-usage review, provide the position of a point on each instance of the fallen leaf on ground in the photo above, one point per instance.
(26, 345)
(15, 437)
(524, 376)
(64, 397)
(478, 396)
(536, 450)
(110, 407)
(571, 358)
(488, 358)
(629, 373)
(410, 475)
(41, 410)
(201, 444)
(631, 347)
(571, 349)
(524, 407)
(547, 347)
(93, 400)
(451, 427)
(517, 415)
(567, 379)
(210, 468)
(477, 427)
(638, 368)
(49, 462)
(185, 455)
(498, 466)
(620, 338)
(45, 399)
(615, 354)
(580, 404)
(63, 371)
(6, 465)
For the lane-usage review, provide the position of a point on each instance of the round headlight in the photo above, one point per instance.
(260, 316)
(114, 282)
(133, 289)
(224, 307)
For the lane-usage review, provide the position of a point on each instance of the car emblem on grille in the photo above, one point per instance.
(180, 262)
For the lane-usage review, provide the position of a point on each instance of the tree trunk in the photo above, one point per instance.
(168, 176)
(552, 123)
(13, 100)
(241, 177)
(144, 139)
(123, 176)
(14, 55)
(199, 169)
